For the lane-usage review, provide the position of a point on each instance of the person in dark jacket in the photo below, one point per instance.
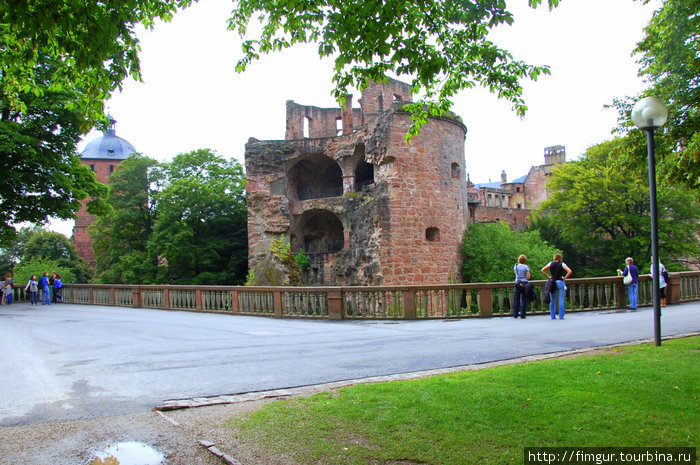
(632, 287)
(559, 272)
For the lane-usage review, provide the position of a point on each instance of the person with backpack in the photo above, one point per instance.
(32, 288)
(58, 283)
(45, 295)
(9, 285)
(559, 272)
(522, 275)
(631, 281)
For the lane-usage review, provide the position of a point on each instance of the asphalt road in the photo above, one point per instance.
(70, 362)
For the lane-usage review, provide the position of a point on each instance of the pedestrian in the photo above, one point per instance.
(522, 275)
(33, 288)
(8, 285)
(52, 284)
(559, 272)
(58, 283)
(2, 290)
(663, 282)
(45, 295)
(633, 285)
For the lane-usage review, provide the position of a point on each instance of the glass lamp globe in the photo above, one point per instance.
(649, 113)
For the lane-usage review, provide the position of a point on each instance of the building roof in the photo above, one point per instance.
(108, 146)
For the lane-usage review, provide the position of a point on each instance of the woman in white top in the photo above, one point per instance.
(662, 282)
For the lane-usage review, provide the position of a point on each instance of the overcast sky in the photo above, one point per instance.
(192, 98)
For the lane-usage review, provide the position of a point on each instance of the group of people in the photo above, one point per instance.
(555, 289)
(632, 284)
(47, 289)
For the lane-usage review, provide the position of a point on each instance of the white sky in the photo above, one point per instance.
(192, 98)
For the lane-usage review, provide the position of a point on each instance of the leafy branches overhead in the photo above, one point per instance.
(95, 42)
(441, 45)
(670, 63)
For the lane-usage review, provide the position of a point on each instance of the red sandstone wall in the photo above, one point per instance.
(81, 238)
(424, 195)
(535, 187)
(514, 217)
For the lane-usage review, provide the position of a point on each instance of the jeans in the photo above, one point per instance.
(632, 295)
(557, 296)
(520, 304)
(45, 297)
(33, 297)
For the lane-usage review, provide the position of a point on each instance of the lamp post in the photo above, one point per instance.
(649, 114)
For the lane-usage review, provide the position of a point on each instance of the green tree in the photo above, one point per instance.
(41, 173)
(670, 63)
(492, 249)
(121, 238)
(37, 266)
(95, 44)
(55, 248)
(13, 250)
(200, 231)
(601, 207)
(441, 44)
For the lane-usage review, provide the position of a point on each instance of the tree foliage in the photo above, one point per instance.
(442, 45)
(200, 231)
(121, 238)
(94, 42)
(670, 63)
(600, 207)
(182, 222)
(492, 249)
(41, 173)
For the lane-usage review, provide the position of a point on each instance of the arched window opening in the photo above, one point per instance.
(455, 171)
(432, 234)
(364, 175)
(321, 231)
(316, 177)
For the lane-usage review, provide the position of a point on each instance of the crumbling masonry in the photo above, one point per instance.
(365, 206)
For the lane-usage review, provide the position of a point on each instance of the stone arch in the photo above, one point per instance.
(321, 231)
(315, 177)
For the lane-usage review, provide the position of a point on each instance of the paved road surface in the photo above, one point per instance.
(67, 362)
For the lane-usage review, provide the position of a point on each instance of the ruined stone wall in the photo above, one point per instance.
(322, 122)
(516, 218)
(535, 187)
(427, 205)
(379, 98)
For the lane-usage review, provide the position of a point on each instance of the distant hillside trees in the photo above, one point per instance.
(182, 222)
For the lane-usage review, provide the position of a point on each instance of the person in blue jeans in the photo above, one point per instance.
(559, 272)
(633, 287)
(45, 295)
(522, 275)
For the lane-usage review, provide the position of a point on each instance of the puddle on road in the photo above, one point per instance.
(128, 453)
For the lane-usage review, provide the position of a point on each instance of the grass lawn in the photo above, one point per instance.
(631, 396)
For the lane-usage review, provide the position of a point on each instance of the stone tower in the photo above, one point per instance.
(102, 155)
(365, 206)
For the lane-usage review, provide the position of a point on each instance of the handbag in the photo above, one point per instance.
(627, 280)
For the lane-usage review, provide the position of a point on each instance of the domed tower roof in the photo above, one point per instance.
(109, 146)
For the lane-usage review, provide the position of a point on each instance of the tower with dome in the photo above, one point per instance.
(102, 155)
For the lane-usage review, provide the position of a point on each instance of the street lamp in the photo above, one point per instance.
(649, 114)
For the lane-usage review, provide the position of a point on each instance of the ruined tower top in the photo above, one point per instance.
(555, 155)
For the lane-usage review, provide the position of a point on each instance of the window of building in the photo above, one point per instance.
(307, 127)
(111, 168)
(455, 170)
(517, 189)
(364, 175)
(519, 206)
(432, 234)
(339, 126)
(92, 167)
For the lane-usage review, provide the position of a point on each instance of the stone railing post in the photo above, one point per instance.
(166, 297)
(620, 294)
(673, 289)
(234, 301)
(335, 304)
(135, 296)
(485, 302)
(409, 304)
(277, 303)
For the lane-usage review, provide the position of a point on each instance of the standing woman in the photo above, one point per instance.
(632, 287)
(33, 288)
(662, 282)
(559, 272)
(45, 296)
(522, 275)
